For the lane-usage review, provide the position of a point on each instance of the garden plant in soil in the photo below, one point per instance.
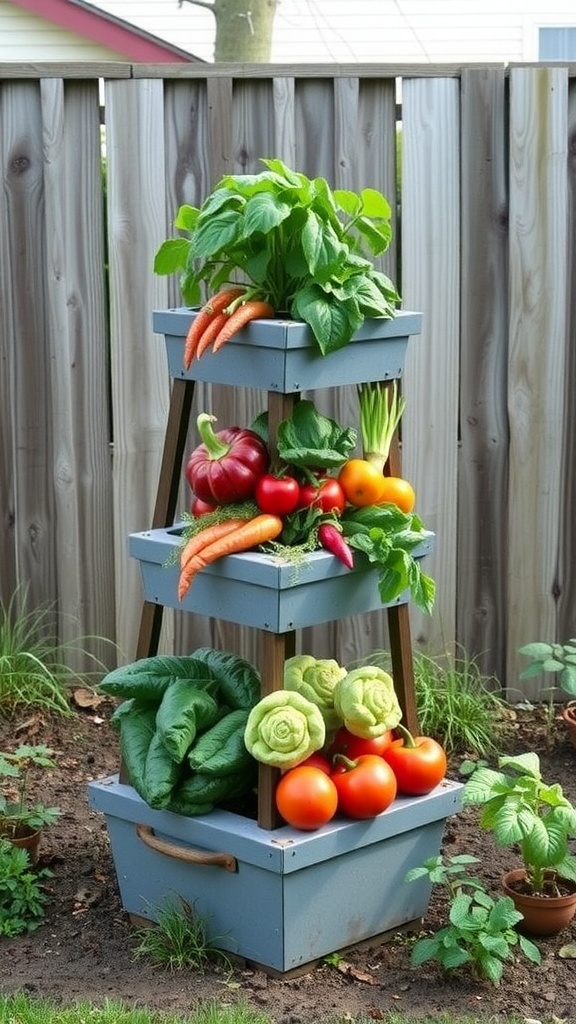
(85, 946)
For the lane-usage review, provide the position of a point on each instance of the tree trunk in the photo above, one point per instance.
(243, 29)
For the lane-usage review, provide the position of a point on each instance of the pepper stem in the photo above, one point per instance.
(407, 736)
(215, 448)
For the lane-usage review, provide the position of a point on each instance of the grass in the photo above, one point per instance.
(179, 941)
(20, 1009)
(456, 704)
(35, 671)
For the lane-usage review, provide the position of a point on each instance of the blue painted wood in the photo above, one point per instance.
(283, 356)
(260, 590)
(296, 896)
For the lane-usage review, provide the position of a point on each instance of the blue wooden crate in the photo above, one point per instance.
(282, 898)
(283, 356)
(264, 591)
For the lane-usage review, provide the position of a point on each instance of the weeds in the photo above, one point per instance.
(179, 940)
(456, 704)
(34, 669)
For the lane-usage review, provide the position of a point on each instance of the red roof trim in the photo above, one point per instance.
(105, 29)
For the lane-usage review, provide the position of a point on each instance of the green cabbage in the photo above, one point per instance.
(315, 679)
(283, 729)
(366, 701)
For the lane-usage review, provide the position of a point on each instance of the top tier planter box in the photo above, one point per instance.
(283, 356)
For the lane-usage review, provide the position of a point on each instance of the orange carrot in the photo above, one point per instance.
(214, 305)
(211, 332)
(207, 536)
(254, 309)
(256, 531)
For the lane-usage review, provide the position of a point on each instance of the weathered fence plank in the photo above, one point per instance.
(431, 283)
(139, 385)
(536, 360)
(76, 335)
(482, 462)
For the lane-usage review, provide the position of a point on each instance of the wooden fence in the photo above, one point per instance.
(484, 250)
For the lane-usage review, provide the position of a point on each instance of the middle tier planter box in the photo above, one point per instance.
(264, 591)
(280, 898)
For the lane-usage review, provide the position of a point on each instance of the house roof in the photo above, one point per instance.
(100, 27)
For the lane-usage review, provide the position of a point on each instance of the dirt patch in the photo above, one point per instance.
(84, 948)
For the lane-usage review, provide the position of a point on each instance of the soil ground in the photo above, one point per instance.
(84, 948)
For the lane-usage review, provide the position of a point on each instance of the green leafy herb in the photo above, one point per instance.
(378, 420)
(312, 441)
(303, 248)
(388, 537)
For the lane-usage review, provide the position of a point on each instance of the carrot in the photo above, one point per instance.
(200, 322)
(211, 332)
(254, 309)
(207, 536)
(256, 531)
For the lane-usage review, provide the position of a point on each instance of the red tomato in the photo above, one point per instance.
(317, 760)
(418, 762)
(366, 786)
(201, 508)
(277, 495)
(306, 797)
(327, 496)
(352, 746)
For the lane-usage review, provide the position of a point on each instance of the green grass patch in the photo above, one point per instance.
(20, 1009)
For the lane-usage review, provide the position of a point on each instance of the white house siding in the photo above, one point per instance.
(389, 31)
(27, 37)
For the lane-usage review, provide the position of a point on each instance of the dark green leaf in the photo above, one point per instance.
(309, 439)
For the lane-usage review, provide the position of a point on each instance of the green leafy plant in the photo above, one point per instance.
(388, 539)
(304, 248)
(17, 815)
(520, 807)
(179, 940)
(457, 704)
(480, 930)
(559, 659)
(22, 898)
(35, 669)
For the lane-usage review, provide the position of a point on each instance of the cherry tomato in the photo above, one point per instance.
(317, 760)
(351, 746)
(327, 496)
(201, 508)
(418, 762)
(277, 495)
(398, 492)
(366, 786)
(362, 482)
(306, 797)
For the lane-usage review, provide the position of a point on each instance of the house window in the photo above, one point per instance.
(557, 43)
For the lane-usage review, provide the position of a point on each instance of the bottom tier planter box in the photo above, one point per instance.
(282, 898)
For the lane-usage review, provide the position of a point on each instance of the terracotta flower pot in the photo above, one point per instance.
(543, 915)
(569, 716)
(27, 839)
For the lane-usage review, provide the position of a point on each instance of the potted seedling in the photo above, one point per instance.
(521, 809)
(560, 659)
(21, 820)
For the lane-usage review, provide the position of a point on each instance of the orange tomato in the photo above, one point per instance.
(398, 492)
(361, 482)
(306, 797)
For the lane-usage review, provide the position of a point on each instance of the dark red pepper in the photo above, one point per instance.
(226, 467)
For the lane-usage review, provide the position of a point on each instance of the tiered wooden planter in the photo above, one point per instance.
(276, 896)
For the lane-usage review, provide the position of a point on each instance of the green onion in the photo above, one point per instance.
(379, 419)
